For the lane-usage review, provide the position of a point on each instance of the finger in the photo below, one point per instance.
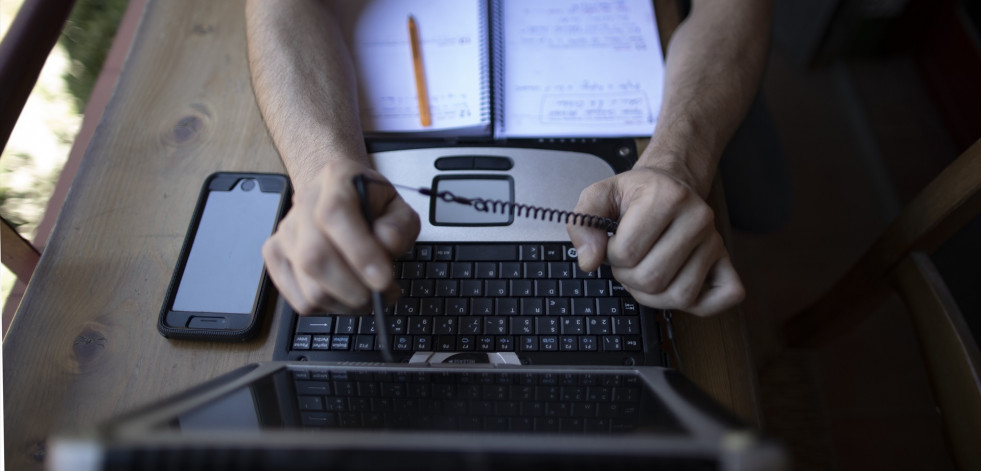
(281, 273)
(398, 227)
(675, 248)
(646, 216)
(590, 243)
(722, 289)
(339, 216)
(322, 274)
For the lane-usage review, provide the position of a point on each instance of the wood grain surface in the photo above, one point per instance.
(84, 345)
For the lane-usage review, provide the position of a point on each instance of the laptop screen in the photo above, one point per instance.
(354, 399)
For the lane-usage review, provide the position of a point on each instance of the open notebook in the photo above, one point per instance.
(507, 68)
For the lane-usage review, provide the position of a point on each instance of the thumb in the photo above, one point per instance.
(590, 242)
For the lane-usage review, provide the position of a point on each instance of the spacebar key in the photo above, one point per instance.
(486, 253)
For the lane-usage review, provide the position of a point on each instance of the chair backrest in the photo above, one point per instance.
(24, 49)
(898, 261)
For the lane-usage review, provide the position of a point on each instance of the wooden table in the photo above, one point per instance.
(84, 345)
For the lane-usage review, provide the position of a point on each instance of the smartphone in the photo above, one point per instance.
(219, 285)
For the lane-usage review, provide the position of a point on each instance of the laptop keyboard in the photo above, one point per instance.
(527, 402)
(522, 298)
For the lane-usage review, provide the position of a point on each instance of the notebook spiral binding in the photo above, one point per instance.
(520, 209)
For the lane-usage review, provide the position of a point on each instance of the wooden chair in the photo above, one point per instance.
(899, 261)
(23, 52)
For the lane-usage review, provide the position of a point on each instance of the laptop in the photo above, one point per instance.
(503, 280)
(310, 415)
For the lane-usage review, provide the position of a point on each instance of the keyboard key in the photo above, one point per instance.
(549, 343)
(485, 343)
(578, 273)
(496, 288)
(457, 306)
(612, 343)
(560, 270)
(547, 325)
(570, 288)
(532, 306)
(447, 288)
(431, 306)
(422, 288)
(597, 288)
(522, 288)
(523, 325)
(546, 288)
(626, 325)
(346, 325)
(437, 270)
(557, 306)
(536, 270)
(340, 342)
(485, 269)
(554, 252)
(465, 343)
(608, 306)
(583, 306)
(424, 252)
(482, 306)
(402, 343)
(573, 325)
(599, 325)
(445, 325)
(420, 325)
(495, 252)
(320, 342)
(314, 324)
(528, 343)
(364, 343)
(531, 253)
(301, 342)
(587, 343)
(471, 325)
(505, 343)
(496, 325)
(423, 343)
(508, 306)
(414, 270)
(511, 270)
(407, 306)
(461, 270)
(473, 288)
(443, 252)
(569, 343)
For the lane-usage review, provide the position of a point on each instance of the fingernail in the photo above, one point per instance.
(376, 276)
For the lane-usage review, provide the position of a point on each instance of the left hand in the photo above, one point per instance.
(667, 252)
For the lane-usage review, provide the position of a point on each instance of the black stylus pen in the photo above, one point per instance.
(381, 330)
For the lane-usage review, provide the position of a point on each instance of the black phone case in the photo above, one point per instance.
(223, 181)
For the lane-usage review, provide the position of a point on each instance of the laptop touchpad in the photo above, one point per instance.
(492, 200)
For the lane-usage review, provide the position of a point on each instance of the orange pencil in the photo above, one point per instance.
(420, 73)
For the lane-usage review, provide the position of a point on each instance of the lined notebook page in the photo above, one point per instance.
(579, 69)
(454, 54)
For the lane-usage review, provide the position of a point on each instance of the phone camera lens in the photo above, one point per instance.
(248, 185)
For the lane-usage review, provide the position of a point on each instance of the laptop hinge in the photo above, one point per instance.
(442, 358)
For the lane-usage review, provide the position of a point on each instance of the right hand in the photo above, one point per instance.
(324, 257)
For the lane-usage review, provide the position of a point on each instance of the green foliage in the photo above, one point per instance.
(87, 37)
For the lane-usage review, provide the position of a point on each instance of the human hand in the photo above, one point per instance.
(667, 252)
(324, 257)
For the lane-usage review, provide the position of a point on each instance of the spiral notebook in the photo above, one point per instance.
(507, 68)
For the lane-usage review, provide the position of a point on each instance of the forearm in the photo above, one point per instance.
(714, 63)
(304, 84)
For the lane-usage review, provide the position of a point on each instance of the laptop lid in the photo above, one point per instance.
(282, 415)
